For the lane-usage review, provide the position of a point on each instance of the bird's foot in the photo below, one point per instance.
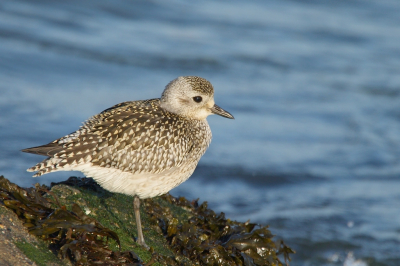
(142, 243)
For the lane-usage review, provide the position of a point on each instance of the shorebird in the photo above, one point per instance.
(139, 148)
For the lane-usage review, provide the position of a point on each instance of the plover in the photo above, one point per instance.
(139, 148)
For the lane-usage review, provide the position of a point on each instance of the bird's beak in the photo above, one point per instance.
(219, 111)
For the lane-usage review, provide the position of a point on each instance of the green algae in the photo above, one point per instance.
(88, 225)
(40, 254)
(113, 211)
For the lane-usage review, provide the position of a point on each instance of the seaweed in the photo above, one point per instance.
(193, 233)
(210, 239)
(72, 234)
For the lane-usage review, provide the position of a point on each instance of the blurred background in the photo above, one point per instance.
(314, 86)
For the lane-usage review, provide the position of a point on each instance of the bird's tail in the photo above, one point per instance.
(46, 166)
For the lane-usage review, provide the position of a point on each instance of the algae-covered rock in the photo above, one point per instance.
(18, 247)
(87, 225)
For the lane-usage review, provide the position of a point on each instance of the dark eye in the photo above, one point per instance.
(197, 99)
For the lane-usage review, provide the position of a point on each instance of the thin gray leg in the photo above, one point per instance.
(136, 207)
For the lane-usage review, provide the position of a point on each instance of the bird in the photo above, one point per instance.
(139, 148)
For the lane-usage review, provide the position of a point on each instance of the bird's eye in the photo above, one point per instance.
(197, 99)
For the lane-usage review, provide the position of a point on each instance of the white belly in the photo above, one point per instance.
(144, 185)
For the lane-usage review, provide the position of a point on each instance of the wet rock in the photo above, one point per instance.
(86, 225)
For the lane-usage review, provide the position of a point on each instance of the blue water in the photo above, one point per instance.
(314, 86)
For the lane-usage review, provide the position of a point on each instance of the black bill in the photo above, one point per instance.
(219, 111)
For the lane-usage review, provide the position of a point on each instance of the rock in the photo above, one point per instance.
(87, 225)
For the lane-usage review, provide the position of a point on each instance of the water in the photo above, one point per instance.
(314, 86)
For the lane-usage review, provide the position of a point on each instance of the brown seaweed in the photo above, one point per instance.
(211, 239)
(198, 236)
(72, 234)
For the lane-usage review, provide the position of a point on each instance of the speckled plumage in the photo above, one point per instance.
(139, 139)
(140, 148)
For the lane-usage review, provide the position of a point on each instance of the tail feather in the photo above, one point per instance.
(46, 150)
(49, 164)
(46, 166)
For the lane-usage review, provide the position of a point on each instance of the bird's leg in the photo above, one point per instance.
(136, 207)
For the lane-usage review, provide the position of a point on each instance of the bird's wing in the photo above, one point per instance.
(139, 137)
